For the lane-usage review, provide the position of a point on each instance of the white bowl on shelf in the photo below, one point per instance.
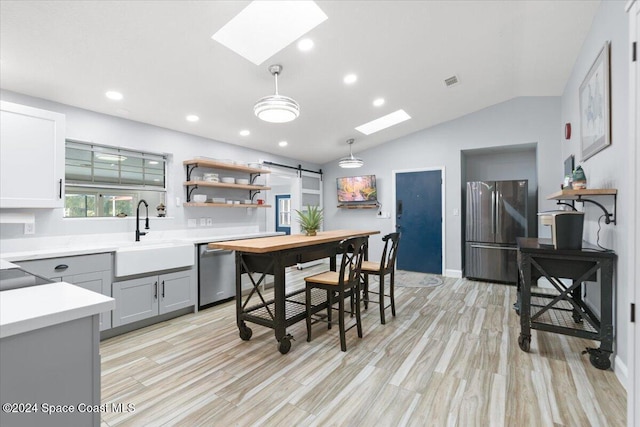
(236, 202)
(247, 202)
(196, 178)
(199, 198)
(218, 200)
(228, 180)
(229, 202)
(242, 181)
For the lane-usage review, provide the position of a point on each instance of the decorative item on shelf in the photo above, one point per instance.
(350, 161)
(161, 210)
(310, 220)
(199, 198)
(260, 201)
(579, 179)
(568, 180)
(276, 108)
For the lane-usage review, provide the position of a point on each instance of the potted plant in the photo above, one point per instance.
(310, 220)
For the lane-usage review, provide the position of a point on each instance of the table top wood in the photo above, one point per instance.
(536, 245)
(277, 243)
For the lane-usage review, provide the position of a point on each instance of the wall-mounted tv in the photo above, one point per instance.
(357, 189)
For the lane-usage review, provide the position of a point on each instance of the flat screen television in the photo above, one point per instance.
(357, 189)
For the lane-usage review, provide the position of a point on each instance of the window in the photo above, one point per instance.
(104, 181)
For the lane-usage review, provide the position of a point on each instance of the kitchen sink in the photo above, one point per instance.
(149, 256)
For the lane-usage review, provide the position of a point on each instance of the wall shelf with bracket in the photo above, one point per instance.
(587, 195)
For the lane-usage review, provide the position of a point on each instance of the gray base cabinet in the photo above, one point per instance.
(141, 298)
(92, 272)
(53, 373)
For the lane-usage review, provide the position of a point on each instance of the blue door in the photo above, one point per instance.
(419, 221)
(283, 213)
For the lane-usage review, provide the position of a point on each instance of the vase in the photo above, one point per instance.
(310, 232)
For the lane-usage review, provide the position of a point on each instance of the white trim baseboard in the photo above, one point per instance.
(622, 373)
(456, 274)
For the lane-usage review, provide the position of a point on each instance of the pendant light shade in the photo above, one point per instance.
(276, 108)
(350, 161)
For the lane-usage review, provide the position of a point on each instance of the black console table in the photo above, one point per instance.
(564, 311)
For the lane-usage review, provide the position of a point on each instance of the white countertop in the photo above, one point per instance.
(35, 307)
(87, 245)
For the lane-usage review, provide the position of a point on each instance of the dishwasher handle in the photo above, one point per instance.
(205, 251)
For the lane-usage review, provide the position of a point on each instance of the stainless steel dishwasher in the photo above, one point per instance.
(216, 275)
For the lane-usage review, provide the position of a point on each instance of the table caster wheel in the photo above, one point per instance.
(245, 333)
(577, 318)
(284, 345)
(524, 343)
(600, 360)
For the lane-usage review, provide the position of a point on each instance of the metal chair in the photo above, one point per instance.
(381, 269)
(338, 285)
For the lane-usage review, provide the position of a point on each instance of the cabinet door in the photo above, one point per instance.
(31, 157)
(99, 282)
(136, 299)
(176, 291)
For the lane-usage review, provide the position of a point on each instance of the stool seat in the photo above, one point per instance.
(326, 278)
(371, 267)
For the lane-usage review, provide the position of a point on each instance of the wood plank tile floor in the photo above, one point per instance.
(449, 358)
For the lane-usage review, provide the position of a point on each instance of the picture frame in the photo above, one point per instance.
(595, 106)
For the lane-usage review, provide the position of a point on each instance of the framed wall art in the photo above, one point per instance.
(595, 106)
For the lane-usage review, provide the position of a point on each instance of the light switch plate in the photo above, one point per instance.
(29, 228)
(192, 223)
(203, 222)
(209, 222)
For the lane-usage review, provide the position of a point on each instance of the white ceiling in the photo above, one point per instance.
(160, 55)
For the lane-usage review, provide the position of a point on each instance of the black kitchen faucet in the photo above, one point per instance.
(146, 222)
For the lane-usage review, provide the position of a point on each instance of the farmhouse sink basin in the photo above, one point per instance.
(150, 256)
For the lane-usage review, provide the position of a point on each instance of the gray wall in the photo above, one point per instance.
(114, 131)
(525, 120)
(611, 167)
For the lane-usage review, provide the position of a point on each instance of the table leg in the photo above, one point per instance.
(245, 332)
(279, 292)
(524, 340)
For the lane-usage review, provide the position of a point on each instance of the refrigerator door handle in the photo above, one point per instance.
(498, 216)
(493, 213)
(506, 248)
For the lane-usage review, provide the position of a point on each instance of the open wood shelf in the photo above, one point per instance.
(570, 194)
(225, 185)
(358, 206)
(219, 165)
(224, 205)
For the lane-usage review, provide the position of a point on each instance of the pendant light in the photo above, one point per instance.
(276, 108)
(350, 162)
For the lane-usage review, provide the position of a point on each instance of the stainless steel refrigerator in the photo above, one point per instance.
(496, 213)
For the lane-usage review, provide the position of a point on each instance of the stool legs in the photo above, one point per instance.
(392, 282)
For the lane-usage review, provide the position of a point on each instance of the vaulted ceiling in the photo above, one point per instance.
(161, 56)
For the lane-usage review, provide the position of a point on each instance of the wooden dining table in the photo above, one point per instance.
(264, 256)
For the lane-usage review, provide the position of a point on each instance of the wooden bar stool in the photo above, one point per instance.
(339, 285)
(385, 266)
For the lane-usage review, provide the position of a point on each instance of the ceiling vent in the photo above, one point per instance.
(451, 81)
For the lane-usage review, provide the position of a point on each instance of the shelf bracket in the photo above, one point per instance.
(190, 190)
(608, 217)
(571, 205)
(190, 169)
(253, 193)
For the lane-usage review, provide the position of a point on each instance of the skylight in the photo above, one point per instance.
(264, 28)
(383, 122)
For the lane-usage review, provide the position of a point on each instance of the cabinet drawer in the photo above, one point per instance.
(66, 266)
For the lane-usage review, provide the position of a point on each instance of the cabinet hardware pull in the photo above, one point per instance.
(155, 293)
(163, 289)
(60, 189)
(61, 267)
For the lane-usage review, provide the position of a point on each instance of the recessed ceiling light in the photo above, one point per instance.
(245, 132)
(192, 118)
(305, 45)
(378, 102)
(113, 95)
(383, 122)
(263, 28)
(350, 79)
(283, 143)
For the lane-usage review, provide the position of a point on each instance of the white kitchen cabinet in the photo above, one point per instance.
(92, 272)
(145, 297)
(31, 157)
